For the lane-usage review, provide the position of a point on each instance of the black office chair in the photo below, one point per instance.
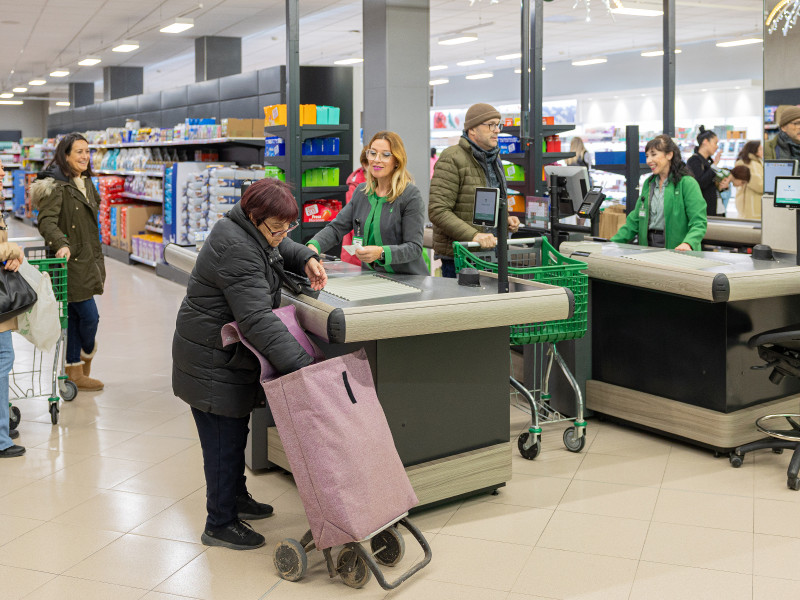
(780, 348)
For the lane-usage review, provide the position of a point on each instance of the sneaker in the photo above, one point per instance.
(12, 451)
(251, 509)
(13, 434)
(238, 535)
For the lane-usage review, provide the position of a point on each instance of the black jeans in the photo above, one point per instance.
(655, 239)
(448, 267)
(223, 440)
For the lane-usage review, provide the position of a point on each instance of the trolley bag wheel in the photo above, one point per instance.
(54, 413)
(290, 560)
(528, 453)
(68, 390)
(736, 460)
(388, 547)
(14, 417)
(572, 442)
(352, 568)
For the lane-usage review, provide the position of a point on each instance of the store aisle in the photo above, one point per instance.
(110, 503)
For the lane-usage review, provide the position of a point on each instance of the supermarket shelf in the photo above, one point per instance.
(11, 165)
(308, 191)
(309, 160)
(144, 261)
(546, 129)
(306, 131)
(154, 229)
(554, 156)
(144, 198)
(620, 169)
(115, 172)
(246, 141)
(116, 254)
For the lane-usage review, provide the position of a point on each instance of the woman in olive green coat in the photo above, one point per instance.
(68, 206)
(670, 212)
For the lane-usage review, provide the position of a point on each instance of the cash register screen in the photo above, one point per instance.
(777, 168)
(787, 192)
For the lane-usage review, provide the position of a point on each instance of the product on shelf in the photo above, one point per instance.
(274, 172)
(148, 246)
(110, 189)
(127, 220)
(319, 211)
(310, 114)
(321, 177)
(513, 172)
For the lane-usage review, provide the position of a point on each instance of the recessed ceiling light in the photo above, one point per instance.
(509, 56)
(20, 90)
(589, 61)
(89, 61)
(59, 73)
(37, 82)
(637, 12)
(62, 103)
(480, 76)
(438, 81)
(178, 26)
(519, 71)
(469, 63)
(437, 67)
(461, 38)
(348, 61)
(649, 53)
(704, 90)
(126, 46)
(744, 42)
(14, 102)
(6, 95)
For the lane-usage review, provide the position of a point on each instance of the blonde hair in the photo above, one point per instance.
(401, 177)
(576, 146)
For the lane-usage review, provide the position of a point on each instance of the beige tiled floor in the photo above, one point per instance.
(110, 504)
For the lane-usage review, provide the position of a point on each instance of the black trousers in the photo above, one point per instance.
(448, 267)
(223, 440)
(655, 239)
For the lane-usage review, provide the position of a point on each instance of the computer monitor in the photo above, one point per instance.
(577, 183)
(773, 168)
(787, 192)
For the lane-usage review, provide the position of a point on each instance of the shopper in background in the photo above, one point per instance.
(670, 211)
(434, 158)
(787, 143)
(581, 158)
(386, 213)
(12, 257)
(473, 162)
(748, 198)
(68, 205)
(237, 277)
(701, 164)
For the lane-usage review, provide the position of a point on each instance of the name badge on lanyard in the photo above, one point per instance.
(358, 241)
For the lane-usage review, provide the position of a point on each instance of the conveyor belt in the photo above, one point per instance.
(367, 288)
(675, 259)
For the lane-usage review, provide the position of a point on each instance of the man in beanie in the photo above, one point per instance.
(787, 143)
(473, 162)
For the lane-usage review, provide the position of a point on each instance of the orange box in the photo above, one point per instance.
(275, 114)
(308, 114)
(516, 204)
(548, 120)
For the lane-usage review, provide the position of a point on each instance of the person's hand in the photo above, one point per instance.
(683, 247)
(513, 224)
(313, 247)
(368, 253)
(316, 274)
(63, 252)
(717, 156)
(12, 264)
(486, 240)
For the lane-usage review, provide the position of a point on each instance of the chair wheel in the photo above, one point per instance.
(388, 547)
(357, 574)
(290, 560)
(793, 483)
(531, 452)
(777, 450)
(736, 460)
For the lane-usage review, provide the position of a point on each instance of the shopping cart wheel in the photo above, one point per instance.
(290, 560)
(352, 568)
(68, 390)
(572, 442)
(14, 417)
(736, 460)
(54, 413)
(388, 547)
(528, 453)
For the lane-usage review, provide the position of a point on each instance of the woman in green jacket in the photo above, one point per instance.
(386, 214)
(68, 205)
(671, 211)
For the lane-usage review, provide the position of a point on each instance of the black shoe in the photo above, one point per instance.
(13, 434)
(250, 509)
(12, 451)
(238, 535)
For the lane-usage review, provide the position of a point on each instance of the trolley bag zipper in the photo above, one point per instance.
(347, 387)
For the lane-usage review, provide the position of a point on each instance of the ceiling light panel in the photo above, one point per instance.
(480, 76)
(89, 61)
(461, 38)
(126, 46)
(178, 26)
(59, 73)
(348, 61)
(469, 63)
(733, 43)
(438, 81)
(37, 82)
(20, 90)
(437, 67)
(589, 61)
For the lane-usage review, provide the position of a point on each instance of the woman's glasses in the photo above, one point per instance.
(291, 227)
(374, 155)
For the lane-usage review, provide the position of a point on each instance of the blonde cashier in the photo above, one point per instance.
(386, 213)
(671, 211)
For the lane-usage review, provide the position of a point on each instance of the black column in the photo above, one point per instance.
(119, 82)
(81, 94)
(216, 56)
(669, 67)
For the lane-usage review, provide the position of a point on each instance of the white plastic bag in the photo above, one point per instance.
(41, 324)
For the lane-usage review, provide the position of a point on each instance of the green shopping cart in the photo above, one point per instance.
(535, 259)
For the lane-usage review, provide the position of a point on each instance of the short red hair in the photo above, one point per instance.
(267, 198)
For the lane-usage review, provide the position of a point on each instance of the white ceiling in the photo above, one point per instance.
(39, 36)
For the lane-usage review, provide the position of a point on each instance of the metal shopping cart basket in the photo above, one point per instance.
(536, 259)
(46, 375)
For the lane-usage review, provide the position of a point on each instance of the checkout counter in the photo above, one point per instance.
(669, 334)
(732, 233)
(440, 361)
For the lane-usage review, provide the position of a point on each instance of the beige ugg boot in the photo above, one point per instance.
(75, 374)
(87, 359)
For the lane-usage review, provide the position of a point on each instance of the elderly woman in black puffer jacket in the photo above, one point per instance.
(236, 278)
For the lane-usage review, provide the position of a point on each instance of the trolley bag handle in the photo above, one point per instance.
(511, 242)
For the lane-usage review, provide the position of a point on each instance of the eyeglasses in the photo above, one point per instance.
(374, 154)
(291, 227)
(494, 126)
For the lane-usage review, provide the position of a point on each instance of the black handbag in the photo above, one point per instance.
(16, 295)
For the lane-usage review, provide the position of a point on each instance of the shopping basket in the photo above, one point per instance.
(46, 375)
(536, 259)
